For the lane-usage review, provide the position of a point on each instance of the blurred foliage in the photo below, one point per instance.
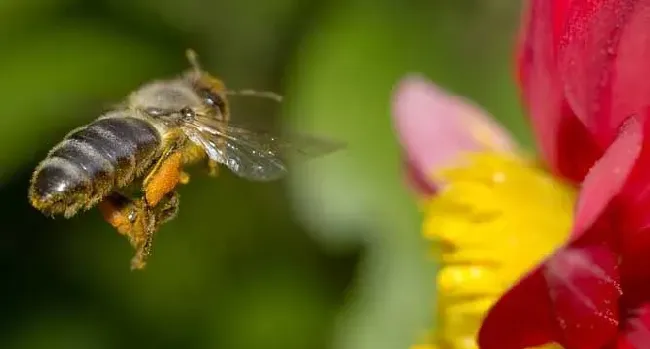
(332, 257)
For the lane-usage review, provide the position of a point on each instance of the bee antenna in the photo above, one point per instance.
(193, 58)
(252, 93)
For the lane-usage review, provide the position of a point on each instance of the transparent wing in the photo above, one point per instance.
(251, 154)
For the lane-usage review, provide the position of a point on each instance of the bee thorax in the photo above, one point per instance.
(165, 95)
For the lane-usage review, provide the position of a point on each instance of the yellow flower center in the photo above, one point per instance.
(496, 217)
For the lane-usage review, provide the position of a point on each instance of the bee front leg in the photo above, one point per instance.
(213, 168)
(184, 178)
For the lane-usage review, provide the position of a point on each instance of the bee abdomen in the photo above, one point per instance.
(92, 161)
(125, 142)
(59, 186)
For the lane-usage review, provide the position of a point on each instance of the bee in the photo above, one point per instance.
(130, 160)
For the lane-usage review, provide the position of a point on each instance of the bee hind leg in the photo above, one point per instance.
(120, 212)
(152, 219)
(164, 178)
(167, 209)
(158, 204)
(138, 221)
(141, 238)
(133, 219)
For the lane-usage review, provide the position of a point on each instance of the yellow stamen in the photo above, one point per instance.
(495, 218)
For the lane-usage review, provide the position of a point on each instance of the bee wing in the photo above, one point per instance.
(254, 155)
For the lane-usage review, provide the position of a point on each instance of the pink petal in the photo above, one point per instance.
(563, 140)
(435, 127)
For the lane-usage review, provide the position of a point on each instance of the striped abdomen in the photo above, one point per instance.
(91, 162)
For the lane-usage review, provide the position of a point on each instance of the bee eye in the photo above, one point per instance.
(210, 100)
(214, 100)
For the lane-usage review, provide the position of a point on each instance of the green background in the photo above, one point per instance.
(332, 257)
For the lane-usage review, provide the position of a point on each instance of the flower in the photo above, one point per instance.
(493, 212)
(582, 69)
(594, 291)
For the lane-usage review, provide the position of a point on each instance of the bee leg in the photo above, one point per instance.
(120, 212)
(158, 187)
(141, 237)
(213, 168)
(152, 219)
(184, 178)
(164, 177)
(167, 209)
(134, 220)
(138, 221)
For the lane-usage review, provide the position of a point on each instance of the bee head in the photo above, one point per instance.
(174, 101)
(210, 89)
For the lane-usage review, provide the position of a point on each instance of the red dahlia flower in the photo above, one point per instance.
(479, 193)
(594, 292)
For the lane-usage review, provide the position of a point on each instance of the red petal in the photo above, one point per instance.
(522, 317)
(633, 226)
(563, 141)
(584, 287)
(557, 11)
(636, 330)
(577, 148)
(606, 179)
(582, 276)
(571, 300)
(603, 60)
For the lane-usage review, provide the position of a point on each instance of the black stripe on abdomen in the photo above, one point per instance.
(127, 143)
(98, 168)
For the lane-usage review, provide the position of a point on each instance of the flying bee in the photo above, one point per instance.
(130, 160)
